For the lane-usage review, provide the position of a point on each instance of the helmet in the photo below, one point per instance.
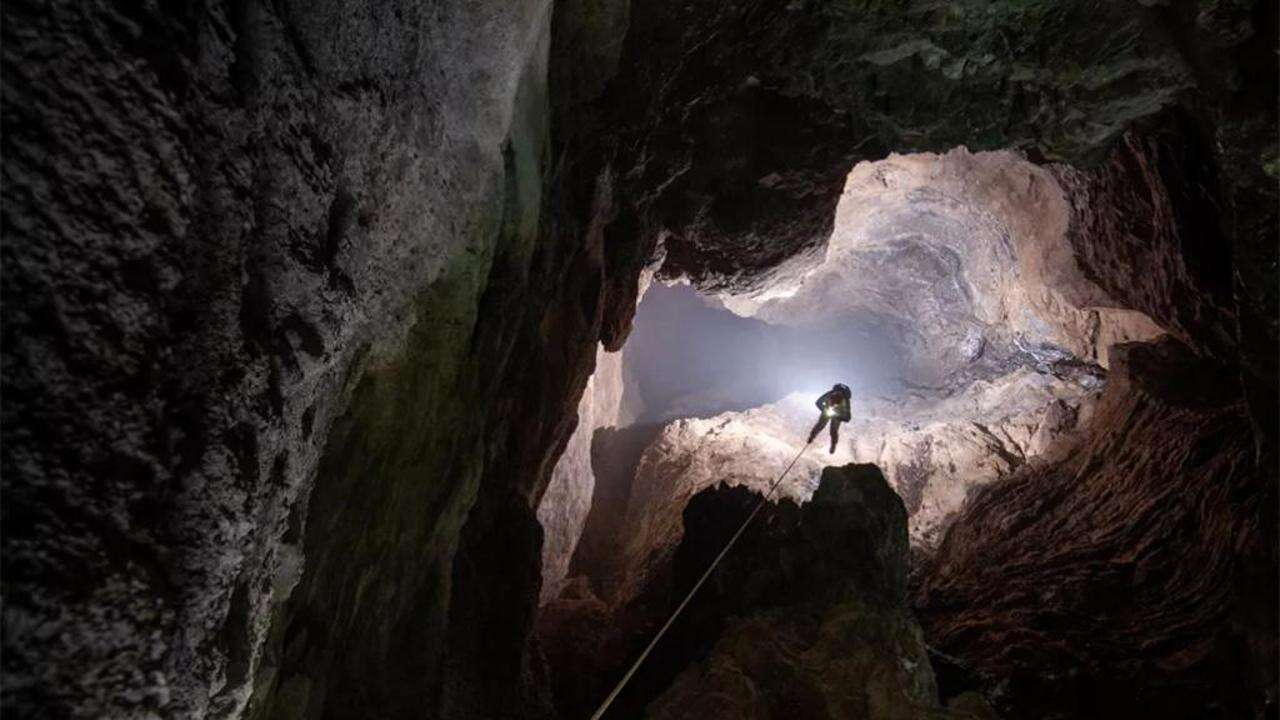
(844, 389)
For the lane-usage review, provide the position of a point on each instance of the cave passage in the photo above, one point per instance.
(689, 356)
(409, 360)
(947, 297)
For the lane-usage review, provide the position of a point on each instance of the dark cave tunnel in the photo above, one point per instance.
(384, 360)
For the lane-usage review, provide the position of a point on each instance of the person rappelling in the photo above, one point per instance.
(834, 405)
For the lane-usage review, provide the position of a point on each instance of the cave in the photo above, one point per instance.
(400, 360)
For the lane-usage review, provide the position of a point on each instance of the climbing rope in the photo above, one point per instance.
(599, 713)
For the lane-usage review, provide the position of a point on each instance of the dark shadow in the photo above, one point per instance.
(615, 455)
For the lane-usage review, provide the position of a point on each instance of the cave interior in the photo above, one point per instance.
(399, 360)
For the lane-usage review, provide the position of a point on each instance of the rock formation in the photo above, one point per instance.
(1133, 576)
(934, 453)
(564, 507)
(962, 255)
(301, 298)
(1149, 227)
(273, 264)
(808, 613)
(233, 232)
(813, 609)
(967, 260)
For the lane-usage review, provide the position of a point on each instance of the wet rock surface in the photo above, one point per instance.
(1131, 576)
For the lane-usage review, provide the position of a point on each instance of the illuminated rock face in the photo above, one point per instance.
(963, 261)
(965, 256)
(935, 453)
(564, 507)
(1131, 574)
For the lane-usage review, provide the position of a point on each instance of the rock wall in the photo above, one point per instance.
(1153, 227)
(1134, 575)
(301, 298)
(962, 255)
(564, 507)
(1142, 227)
(241, 239)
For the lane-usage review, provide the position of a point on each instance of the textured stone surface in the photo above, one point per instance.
(564, 507)
(967, 259)
(700, 85)
(1136, 574)
(223, 225)
(1145, 227)
(686, 139)
(300, 298)
(1157, 227)
(813, 607)
(960, 256)
(724, 131)
(937, 453)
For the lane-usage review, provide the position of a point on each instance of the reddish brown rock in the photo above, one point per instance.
(1190, 242)
(1136, 575)
(1145, 227)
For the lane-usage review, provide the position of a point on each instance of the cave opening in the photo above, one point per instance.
(947, 297)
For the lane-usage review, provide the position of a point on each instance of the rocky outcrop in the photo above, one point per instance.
(1134, 575)
(567, 500)
(812, 602)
